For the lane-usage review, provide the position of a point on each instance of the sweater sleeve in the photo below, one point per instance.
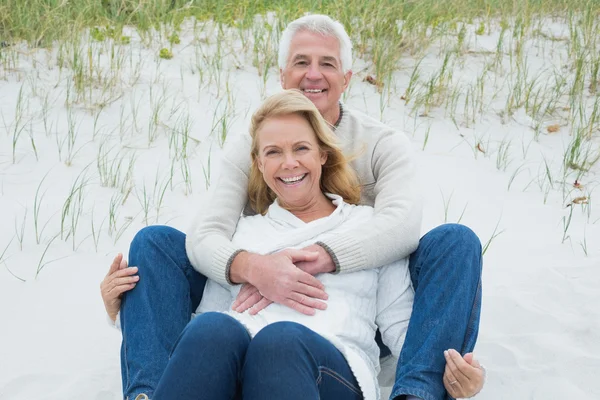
(394, 231)
(208, 241)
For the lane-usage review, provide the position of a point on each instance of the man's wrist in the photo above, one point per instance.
(237, 268)
(334, 261)
(240, 270)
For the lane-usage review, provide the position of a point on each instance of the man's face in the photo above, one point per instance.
(314, 67)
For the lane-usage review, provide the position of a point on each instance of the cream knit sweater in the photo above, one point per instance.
(386, 168)
(357, 301)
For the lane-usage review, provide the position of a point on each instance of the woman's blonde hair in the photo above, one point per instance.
(337, 176)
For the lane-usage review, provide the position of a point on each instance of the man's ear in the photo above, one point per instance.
(282, 78)
(347, 77)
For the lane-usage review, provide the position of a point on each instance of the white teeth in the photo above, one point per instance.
(313, 90)
(293, 179)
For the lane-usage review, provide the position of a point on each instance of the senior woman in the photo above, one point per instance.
(304, 191)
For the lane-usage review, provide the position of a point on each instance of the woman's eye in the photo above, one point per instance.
(271, 152)
(302, 148)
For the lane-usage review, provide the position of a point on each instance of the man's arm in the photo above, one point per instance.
(394, 231)
(208, 242)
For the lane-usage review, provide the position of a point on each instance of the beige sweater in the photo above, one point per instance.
(386, 168)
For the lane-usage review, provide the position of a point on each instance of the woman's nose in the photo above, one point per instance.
(290, 161)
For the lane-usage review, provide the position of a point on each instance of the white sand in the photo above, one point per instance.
(540, 321)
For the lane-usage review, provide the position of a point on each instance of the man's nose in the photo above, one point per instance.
(314, 72)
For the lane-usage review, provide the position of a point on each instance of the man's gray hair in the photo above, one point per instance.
(320, 24)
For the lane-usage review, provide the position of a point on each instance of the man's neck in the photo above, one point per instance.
(336, 116)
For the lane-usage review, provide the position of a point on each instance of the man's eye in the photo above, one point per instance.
(301, 63)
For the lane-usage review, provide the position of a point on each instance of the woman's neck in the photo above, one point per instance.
(319, 207)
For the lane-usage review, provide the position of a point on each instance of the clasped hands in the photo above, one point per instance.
(286, 278)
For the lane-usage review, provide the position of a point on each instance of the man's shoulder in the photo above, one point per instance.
(237, 151)
(360, 118)
(359, 125)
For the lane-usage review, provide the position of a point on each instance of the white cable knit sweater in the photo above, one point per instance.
(357, 301)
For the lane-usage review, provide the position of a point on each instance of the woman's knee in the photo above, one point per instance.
(279, 339)
(213, 329)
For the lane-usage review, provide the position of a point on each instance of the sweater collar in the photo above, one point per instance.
(279, 214)
(339, 120)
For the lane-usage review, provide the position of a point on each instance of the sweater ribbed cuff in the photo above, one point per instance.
(346, 253)
(221, 263)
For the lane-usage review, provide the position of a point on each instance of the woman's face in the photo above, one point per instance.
(290, 160)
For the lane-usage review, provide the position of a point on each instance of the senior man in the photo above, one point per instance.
(445, 264)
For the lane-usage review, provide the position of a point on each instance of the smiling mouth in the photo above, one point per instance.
(293, 180)
(314, 91)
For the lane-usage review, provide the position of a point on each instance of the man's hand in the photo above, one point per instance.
(322, 264)
(463, 377)
(277, 279)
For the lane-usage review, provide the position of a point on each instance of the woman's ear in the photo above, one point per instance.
(323, 157)
(260, 165)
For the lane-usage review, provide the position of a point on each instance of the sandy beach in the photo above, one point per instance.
(82, 170)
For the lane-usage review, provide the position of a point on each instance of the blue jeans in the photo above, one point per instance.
(445, 271)
(215, 358)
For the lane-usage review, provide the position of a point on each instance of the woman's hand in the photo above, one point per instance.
(464, 376)
(118, 280)
(250, 298)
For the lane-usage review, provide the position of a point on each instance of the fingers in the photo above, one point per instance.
(115, 264)
(249, 302)
(258, 307)
(449, 375)
(246, 291)
(119, 290)
(459, 367)
(308, 279)
(301, 308)
(123, 263)
(115, 286)
(452, 385)
(120, 277)
(302, 255)
(465, 379)
(307, 301)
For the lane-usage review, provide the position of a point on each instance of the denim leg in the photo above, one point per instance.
(155, 312)
(286, 360)
(207, 360)
(446, 275)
